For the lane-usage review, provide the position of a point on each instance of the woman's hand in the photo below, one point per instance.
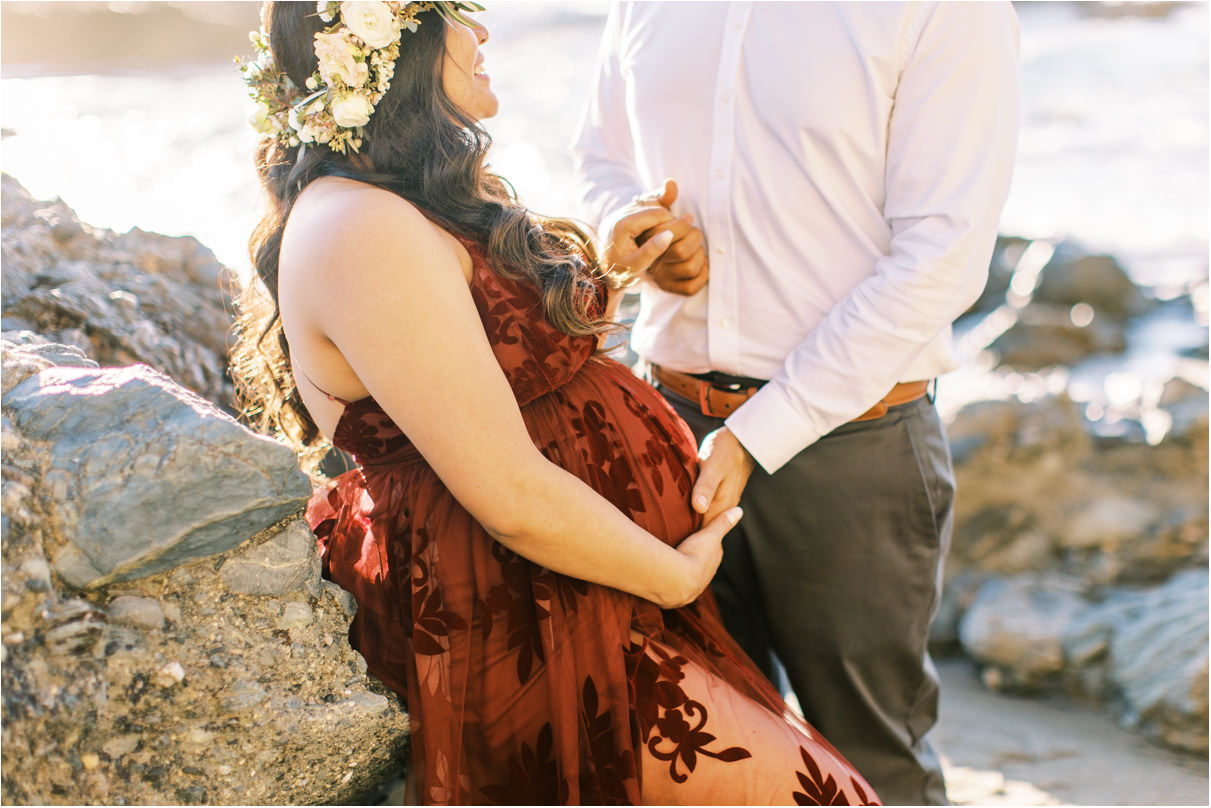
(682, 267)
(702, 553)
(624, 256)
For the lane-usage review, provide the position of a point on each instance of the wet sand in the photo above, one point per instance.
(1004, 750)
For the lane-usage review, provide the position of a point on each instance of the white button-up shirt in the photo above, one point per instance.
(847, 164)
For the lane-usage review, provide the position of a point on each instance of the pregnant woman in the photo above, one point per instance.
(529, 573)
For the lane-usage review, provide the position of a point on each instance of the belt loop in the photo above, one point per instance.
(704, 399)
(931, 390)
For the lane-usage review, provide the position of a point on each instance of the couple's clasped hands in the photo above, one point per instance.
(646, 241)
(724, 467)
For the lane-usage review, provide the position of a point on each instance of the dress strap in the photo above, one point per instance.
(328, 395)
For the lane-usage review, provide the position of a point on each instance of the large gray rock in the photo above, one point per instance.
(25, 353)
(1143, 650)
(1011, 461)
(1073, 277)
(1015, 628)
(1147, 650)
(226, 679)
(120, 298)
(276, 567)
(1107, 521)
(1158, 662)
(146, 475)
(1106, 543)
(957, 597)
(1186, 406)
(998, 431)
(1046, 335)
(1037, 492)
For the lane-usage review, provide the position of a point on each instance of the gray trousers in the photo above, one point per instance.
(836, 568)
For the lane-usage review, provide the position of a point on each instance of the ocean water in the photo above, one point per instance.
(1113, 149)
(1113, 153)
(1113, 145)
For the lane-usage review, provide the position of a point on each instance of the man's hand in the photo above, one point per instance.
(724, 467)
(683, 268)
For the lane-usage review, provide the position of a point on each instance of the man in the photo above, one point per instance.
(839, 171)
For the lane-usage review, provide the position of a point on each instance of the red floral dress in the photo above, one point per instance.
(529, 687)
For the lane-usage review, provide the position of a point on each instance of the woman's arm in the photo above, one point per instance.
(366, 271)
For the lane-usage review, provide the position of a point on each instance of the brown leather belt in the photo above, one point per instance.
(721, 401)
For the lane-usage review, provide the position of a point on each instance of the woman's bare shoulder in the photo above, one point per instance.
(335, 215)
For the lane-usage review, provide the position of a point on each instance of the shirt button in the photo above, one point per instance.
(719, 174)
(724, 322)
(721, 249)
(725, 98)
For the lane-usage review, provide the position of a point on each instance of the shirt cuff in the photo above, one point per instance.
(771, 429)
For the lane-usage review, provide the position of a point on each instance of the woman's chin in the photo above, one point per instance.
(489, 108)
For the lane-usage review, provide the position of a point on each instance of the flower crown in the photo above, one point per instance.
(356, 55)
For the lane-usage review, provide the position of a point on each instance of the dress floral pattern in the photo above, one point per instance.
(529, 687)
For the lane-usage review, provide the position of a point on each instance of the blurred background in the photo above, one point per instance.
(133, 114)
(1085, 363)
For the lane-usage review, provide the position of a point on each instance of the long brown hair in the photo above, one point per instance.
(418, 145)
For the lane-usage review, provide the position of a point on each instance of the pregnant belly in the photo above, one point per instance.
(615, 432)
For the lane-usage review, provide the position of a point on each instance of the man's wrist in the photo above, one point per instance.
(742, 450)
(770, 429)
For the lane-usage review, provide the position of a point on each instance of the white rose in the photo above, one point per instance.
(351, 111)
(373, 22)
(336, 56)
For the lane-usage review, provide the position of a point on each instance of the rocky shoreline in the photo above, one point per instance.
(167, 636)
(1079, 559)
